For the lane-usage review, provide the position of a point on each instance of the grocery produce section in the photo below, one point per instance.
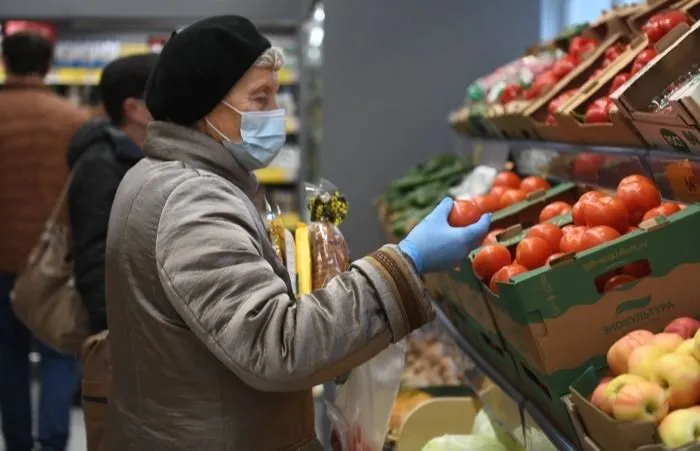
(581, 305)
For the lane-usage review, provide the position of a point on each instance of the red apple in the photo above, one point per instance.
(684, 326)
(604, 399)
(619, 353)
(679, 375)
(643, 360)
(640, 401)
(598, 397)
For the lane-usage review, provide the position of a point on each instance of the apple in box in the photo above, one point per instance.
(618, 354)
(679, 375)
(685, 327)
(604, 395)
(640, 401)
(680, 427)
(643, 360)
(686, 348)
(667, 341)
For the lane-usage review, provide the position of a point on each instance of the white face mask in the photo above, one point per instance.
(262, 137)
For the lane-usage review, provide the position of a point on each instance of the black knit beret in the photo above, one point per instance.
(199, 65)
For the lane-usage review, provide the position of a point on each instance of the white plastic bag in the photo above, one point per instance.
(362, 409)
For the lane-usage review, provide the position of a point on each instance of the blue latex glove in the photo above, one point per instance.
(434, 245)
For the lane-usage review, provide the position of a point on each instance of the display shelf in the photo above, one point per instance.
(557, 439)
(677, 174)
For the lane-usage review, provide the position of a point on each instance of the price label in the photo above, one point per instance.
(683, 181)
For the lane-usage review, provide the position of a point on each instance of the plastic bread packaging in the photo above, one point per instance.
(329, 251)
(275, 229)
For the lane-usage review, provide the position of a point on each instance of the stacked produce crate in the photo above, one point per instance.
(630, 79)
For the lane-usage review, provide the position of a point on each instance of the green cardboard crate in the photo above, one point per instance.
(488, 344)
(527, 213)
(556, 324)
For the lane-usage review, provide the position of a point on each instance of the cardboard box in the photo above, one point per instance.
(520, 119)
(534, 116)
(527, 213)
(692, 7)
(463, 298)
(598, 431)
(620, 132)
(677, 129)
(637, 20)
(540, 314)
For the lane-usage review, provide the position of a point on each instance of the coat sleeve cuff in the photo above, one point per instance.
(402, 292)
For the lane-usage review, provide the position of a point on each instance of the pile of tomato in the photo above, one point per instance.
(507, 189)
(598, 218)
(655, 28)
(579, 49)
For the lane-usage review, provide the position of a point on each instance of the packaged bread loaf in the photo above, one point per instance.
(329, 251)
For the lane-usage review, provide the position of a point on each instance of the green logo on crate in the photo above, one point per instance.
(676, 141)
(641, 313)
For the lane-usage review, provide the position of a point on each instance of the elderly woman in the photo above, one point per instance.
(211, 350)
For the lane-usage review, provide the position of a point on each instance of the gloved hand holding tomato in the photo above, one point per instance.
(446, 236)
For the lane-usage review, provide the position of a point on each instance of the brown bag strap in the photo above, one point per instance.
(60, 203)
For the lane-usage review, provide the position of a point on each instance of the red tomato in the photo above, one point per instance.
(464, 213)
(595, 236)
(550, 120)
(653, 30)
(564, 65)
(507, 179)
(549, 232)
(534, 183)
(665, 209)
(637, 269)
(510, 92)
(492, 236)
(582, 46)
(577, 211)
(614, 51)
(572, 240)
(512, 196)
(673, 17)
(490, 259)
(504, 274)
(617, 281)
(533, 252)
(597, 112)
(498, 191)
(544, 82)
(568, 228)
(602, 279)
(644, 58)
(554, 257)
(556, 208)
(586, 165)
(639, 198)
(609, 211)
(488, 203)
(635, 178)
(560, 100)
(619, 80)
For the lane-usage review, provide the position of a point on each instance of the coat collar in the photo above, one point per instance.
(168, 141)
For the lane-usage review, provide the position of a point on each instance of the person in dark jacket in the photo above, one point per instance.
(100, 154)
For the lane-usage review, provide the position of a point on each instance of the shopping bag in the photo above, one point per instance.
(362, 408)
